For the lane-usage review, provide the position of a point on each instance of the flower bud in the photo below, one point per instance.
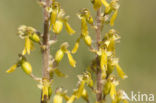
(34, 37)
(59, 55)
(26, 66)
(57, 27)
(57, 99)
(88, 40)
(97, 4)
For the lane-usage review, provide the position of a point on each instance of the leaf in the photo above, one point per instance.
(88, 40)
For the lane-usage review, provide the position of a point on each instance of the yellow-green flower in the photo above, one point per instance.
(57, 99)
(59, 55)
(26, 67)
(71, 60)
(58, 26)
(12, 68)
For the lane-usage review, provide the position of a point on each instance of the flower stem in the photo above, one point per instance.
(46, 51)
(98, 74)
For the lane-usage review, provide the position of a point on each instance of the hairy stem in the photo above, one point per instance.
(98, 39)
(46, 51)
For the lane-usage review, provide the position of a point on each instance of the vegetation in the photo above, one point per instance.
(99, 75)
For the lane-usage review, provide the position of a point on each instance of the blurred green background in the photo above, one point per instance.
(137, 51)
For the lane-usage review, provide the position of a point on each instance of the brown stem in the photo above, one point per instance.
(98, 30)
(46, 51)
(98, 39)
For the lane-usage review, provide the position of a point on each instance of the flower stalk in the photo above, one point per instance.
(46, 50)
(98, 74)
